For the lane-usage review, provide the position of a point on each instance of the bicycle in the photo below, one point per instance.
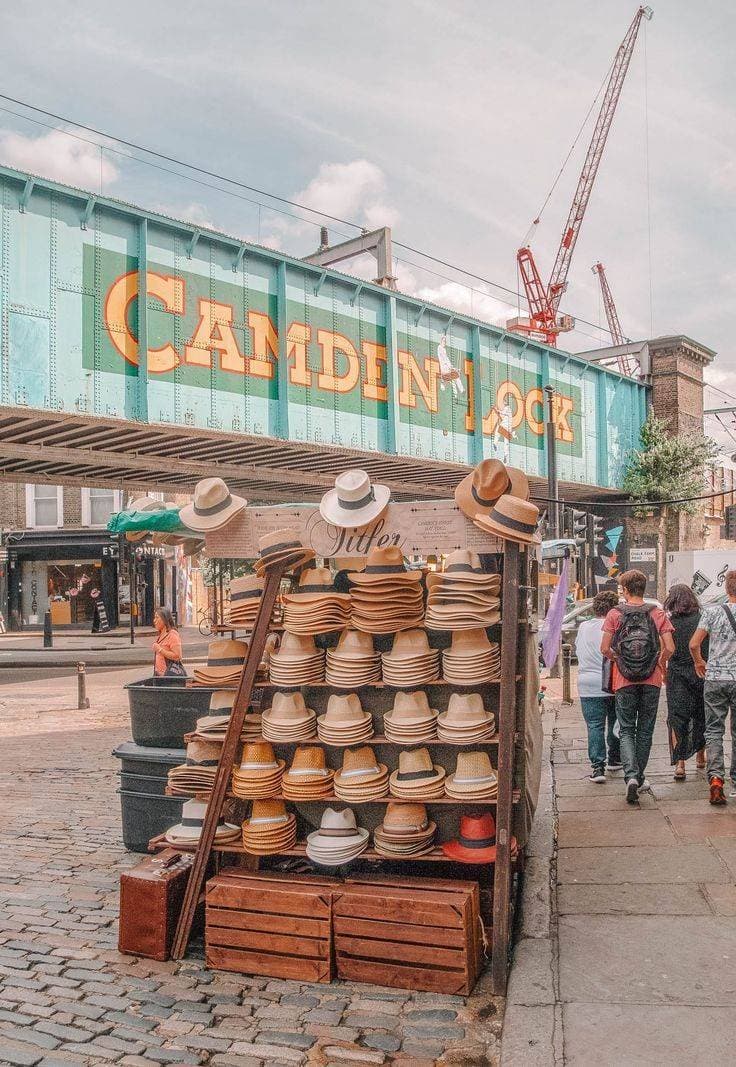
(204, 622)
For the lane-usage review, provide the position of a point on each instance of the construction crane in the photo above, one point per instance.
(625, 364)
(544, 323)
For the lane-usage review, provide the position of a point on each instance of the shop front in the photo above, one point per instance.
(63, 572)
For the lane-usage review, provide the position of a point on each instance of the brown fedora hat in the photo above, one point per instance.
(479, 490)
(511, 519)
(519, 483)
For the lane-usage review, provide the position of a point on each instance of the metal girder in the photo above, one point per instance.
(88, 209)
(26, 194)
(194, 238)
(377, 242)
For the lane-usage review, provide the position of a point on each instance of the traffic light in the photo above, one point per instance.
(578, 526)
(731, 522)
(596, 536)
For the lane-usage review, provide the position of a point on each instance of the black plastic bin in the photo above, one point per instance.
(162, 710)
(146, 812)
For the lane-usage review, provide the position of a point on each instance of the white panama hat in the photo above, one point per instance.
(354, 501)
(212, 507)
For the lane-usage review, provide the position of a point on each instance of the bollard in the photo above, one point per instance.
(566, 663)
(48, 634)
(82, 698)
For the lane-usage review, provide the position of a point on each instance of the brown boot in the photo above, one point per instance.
(717, 795)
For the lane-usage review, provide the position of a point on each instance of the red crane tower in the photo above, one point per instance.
(625, 364)
(544, 322)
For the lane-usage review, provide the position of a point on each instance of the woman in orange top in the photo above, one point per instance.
(167, 646)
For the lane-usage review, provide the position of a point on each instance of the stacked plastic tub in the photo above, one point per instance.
(162, 710)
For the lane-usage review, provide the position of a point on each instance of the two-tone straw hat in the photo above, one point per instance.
(214, 724)
(466, 720)
(288, 719)
(282, 548)
(474, 778)
(245, 599)
(197, 775)
(405, 831)
(385, 596)
(361, 776)
(462, 596)
(225, 660)
(316, 607)
(353, 662)
(338, 840)
(297, 661)
(354, 501)
(512, 520)
(417, 778)
(189, 830)
(213, 506)
(411, 720)
(259, 774)
(308, 777)
(344, 722)
(471, 659)
(411, 661)
(271, 829)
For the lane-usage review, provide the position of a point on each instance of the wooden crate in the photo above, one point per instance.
(270, 925)
(407, 935)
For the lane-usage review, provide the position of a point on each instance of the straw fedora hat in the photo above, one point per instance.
(213, 506)
(270, 828)
(221, 702)
(511, 519)
(359, 767)
(259, 761)
(410, 646)
(355, 646)
(464, 710)
(476, 842)
(384, 565)
(474, 775)
(247, 588)
(296, 648)
(354, 501)
(416, 774)
(410, 709)
(288, 708)
(189, 830)
(308, 766)
(406, 822)
(315, 585)
(224, 658)
(338, 840)
(143, 503)
(460, 565)
(282, 547)
(479, 490)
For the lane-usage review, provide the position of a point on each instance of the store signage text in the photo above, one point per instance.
(342, 368)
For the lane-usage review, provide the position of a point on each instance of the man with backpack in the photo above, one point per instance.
(637, 638)
(718, 624)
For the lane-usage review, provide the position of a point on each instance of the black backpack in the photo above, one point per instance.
(636, 642)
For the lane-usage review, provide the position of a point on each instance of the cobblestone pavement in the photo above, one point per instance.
(68, 997)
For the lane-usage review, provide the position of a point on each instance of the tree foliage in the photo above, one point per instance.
(667, 466)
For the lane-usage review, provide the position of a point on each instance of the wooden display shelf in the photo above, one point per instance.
(377, 739)
(380, 800)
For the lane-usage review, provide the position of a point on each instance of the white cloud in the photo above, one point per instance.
(477, 301)
(59, 155)
(194, 212)
(354, 191)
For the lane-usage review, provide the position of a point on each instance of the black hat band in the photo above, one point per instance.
(245, 595)
(512, 524)
(215, 507)
(232, 661)
(414, 776)
(355, 505)
(471, 842)
(484, 503)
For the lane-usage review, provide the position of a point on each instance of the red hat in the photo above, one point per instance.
(476, 842)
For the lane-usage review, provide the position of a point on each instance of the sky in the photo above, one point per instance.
(448, 121)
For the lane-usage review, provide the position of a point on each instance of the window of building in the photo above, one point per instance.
(44, 506)
(98, 505)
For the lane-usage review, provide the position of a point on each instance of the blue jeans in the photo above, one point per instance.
(600, 715)
(636, 709)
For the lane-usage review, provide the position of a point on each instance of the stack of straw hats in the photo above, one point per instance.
(259, 774)
(288, 719)
(411, 661)
(308, 778)
(496, 498)
(386, 597)
(466, 720)
(463, 596)
(344, 722)
(316, 608)
(245, 598)
(417, 778)
(354, 662)
(411, 720)
(225, 660)
(338, 840)
(405, 831)
(297, 661)
(189, 830)
(471, 659)
(474, 778)
(197, 775)
(270, 828)
(214, 725)
(361, 776)
(282, 548)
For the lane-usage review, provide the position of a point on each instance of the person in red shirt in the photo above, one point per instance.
(636, 702)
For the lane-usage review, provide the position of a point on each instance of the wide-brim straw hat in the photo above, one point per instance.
(282, 547)
(512, 520)
(385, 565)
(411, 645)
(465, 711)
(360, 768)
(338, 838)
(270, 828)
(474, 775)
(143, 503)
(354, 501)
(479, 490)
(296, 648)
(461, 566)
(213, 506)
(189, 830)
(224, 658)
(259, 761)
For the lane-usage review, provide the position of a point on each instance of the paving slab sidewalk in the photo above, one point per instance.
(627, 946)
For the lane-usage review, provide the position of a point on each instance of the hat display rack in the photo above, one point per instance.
(372, 732)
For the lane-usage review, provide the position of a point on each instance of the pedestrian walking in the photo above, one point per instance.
(685, 706)
(637, 638)
(718, 624)
(599, 705)
(167, 646)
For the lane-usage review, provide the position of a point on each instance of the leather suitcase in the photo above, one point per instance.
(151, 896)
